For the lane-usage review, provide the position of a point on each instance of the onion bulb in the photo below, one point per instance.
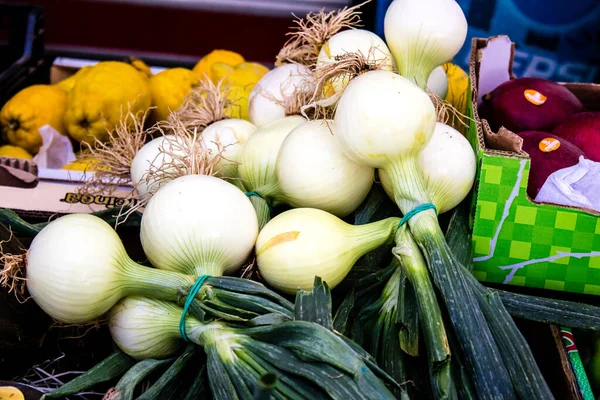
(267, 99)
(149, 328)
(423, 34)
(438, 82)
(360, 41)
(226, 138)
(312, 171)
(383, 117)
(257, 162)
(148, 156)
(77, 269)
(448, 167)
(145, 328)
(302, 243)
(198, 224)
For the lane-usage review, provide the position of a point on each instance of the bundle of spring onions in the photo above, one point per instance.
(341, 108)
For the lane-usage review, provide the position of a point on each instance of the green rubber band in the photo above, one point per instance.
(415, 211)
(188, 302)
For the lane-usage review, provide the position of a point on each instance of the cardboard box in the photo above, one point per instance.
(515, 240)
(42, 192)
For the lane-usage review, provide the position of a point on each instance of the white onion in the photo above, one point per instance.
(265, 100)
(228, 137)
(382, 116)
(423, 34)
(77, 268)
(149, 155)
(313, 172)
(257, 162)
(371, 46)
(448, 167)
(438, 82)
(302, 243)
(198, 224)
(145, 328)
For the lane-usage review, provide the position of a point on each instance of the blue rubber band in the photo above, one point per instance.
(188, 302)
(415, 211)
(250, 194)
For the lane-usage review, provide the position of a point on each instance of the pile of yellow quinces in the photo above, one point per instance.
(90, 103)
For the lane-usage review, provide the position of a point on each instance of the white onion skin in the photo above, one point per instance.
(145, 328)
(149, 155)
(257, 162)
(280, 83)
(302, 243)
(148, 328)
(448, 167)
(438, 82)
(198, 224)
(228, 137)
(424, 34)
(370, 45)
(77, 269)
(313, 172)
(383, 117)
(74, 268)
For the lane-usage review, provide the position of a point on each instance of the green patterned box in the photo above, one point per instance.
(515, 240)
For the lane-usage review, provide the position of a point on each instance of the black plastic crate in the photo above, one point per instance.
(21, 48)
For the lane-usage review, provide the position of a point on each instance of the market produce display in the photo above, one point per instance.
(257, 192)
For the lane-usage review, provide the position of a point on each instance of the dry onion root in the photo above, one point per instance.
(12, 273)
(180, 153)
(448, 114)
(345, 68)
(205, 104)
(314, 30)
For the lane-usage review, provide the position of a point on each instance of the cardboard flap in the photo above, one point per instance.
(16, 172)
(504, 140)
(15, 177)
(495, 67)
(495, 61)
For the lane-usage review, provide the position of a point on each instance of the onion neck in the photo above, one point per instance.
(371, 236)
(270, 191)
(211, 268)
(263, 210)
(407, 183)
(151, 282)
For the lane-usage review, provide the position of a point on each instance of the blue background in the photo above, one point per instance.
(555, 39)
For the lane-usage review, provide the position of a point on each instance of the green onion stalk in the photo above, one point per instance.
(310, 361)
(406, 122)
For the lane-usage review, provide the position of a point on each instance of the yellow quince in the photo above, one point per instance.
(458, 84)
(11, 393)
(169, 88)
(203, 67)
(14, 152)
(68, 83)
(30, 109)
(241, 79)
(99, 98)
(87, 164)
